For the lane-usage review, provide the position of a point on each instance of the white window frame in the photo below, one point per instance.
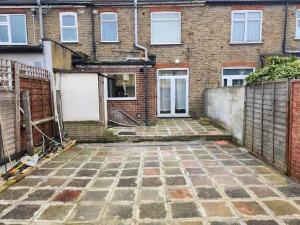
(165, 12)
(158, 78)
(246, 26)
(121, 98)
(233, 77)
(297, 23)
(9, 30)
(61, 26)
(101, 31)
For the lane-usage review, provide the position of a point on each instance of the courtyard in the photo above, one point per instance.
(176, 183)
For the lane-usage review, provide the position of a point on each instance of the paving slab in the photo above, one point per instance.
(152, 183)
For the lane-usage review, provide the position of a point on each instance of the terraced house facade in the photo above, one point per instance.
(158, 55)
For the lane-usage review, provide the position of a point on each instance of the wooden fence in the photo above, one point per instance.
(16, 80)
(266, 121)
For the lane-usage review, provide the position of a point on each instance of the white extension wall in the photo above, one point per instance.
(80, 96)
(225, 105)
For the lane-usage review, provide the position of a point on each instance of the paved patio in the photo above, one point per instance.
(178, 183)
(175, 127)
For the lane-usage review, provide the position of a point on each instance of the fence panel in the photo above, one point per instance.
(14, 78)
(266, 125)
(294, 156)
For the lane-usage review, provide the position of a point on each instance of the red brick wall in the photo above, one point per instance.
(134, 107)
(294, 152)
(40, 104)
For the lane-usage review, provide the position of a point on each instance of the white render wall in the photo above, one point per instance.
(225, 105)
(79, 95)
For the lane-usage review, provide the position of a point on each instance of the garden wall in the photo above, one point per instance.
(225, 105)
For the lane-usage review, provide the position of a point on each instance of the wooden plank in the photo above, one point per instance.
(27, 118)
(16, 73)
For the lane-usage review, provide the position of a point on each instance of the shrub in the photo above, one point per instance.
(276, 68)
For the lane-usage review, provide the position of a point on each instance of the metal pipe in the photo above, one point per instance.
(285, 27)
(41, 19)
(136, 44)
(94, 47)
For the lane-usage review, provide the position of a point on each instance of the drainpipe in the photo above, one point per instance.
(94, 47)
(41, 19)
(285, 27)
(137, 45)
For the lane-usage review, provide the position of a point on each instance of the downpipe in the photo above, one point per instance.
(137, 45)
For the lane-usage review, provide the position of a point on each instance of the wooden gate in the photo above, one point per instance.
(266, 122)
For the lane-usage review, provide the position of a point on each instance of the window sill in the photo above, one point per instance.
(69, 42)
(121, 99)
(161, 45)
(109, 42)
(245, 43)
(14, 44)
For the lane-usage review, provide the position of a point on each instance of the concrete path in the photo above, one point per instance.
(177, 183)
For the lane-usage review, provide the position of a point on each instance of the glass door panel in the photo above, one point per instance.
(165, 96)
(180, 96)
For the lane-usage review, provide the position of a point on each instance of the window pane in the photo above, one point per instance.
(69, 34)
(238, 31)
(18, 31)
(166, 16)
(237, 71)
(253, 33)
(110, 16)
(239, 16)
(254, 16)
(121, 85)
(3, 33)
(165, 32)
(172, 72)
(109, 31)
(298, 14)
(3, 19)
(237, 82)
(68, 20)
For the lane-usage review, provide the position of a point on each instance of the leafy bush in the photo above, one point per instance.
(276, 68)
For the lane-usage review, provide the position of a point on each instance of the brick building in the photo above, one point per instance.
(191, 45)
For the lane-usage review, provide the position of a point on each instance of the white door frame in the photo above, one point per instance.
(172, 79)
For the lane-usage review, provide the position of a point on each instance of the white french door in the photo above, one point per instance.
(172, 93)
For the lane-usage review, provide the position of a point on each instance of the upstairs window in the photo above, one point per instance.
(235, 76)
(246, 26)
(13, 29)
(298, 25)
(166, 28)
(68, 27)
(109, 27)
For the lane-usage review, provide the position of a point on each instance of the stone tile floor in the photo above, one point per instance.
(172, 127)
(176, 183)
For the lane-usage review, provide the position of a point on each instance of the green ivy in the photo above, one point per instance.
(276, 67)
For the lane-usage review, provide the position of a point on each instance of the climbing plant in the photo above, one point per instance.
(276, 67)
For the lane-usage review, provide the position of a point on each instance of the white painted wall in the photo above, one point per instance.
(80, 96)
(225, 105)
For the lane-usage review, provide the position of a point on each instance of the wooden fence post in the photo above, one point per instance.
(27, 118)
(16, 75)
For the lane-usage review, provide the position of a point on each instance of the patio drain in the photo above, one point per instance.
(127, 133)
